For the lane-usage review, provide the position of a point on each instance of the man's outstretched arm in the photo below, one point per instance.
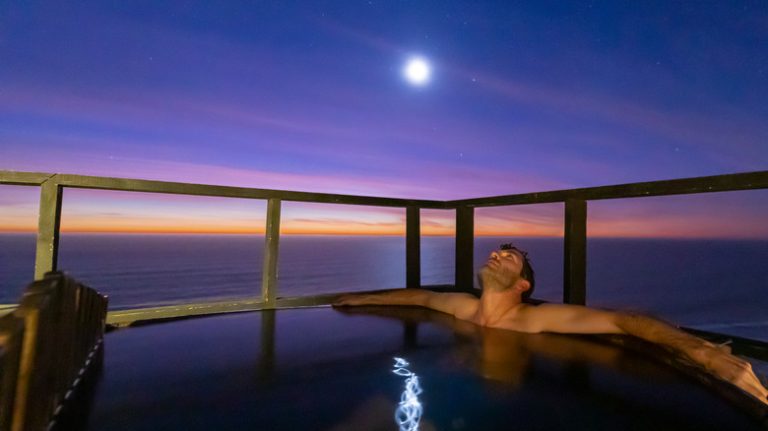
(460, 305)
(582, 320)
(716, 359)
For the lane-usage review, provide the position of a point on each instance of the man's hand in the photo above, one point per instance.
(717, 360)
(730, 368)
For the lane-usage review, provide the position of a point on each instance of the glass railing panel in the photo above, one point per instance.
(145, 250)
(331, 248)
(438, 243)
(18, 229)
(696, 260)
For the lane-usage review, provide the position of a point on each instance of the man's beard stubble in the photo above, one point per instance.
(491, 280)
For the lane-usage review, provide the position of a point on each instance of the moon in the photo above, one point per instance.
(417, 71)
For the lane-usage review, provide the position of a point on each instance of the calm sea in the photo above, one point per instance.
(718, 285)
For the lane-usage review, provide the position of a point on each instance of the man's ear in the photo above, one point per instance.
(522, 285)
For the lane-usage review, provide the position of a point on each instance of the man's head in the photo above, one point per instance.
(508, 268)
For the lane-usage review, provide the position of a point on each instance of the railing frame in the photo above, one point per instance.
(271, 247)
(575, 252)
(575, 219)
(412, 246)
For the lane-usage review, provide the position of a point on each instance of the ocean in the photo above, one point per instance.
(716, 285)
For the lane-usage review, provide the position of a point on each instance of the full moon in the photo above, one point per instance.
(417, 71)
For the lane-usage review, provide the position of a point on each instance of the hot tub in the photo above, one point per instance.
(328, 369)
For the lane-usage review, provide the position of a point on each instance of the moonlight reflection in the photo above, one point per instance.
(408, 413)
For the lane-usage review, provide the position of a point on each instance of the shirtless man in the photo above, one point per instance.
(507, 280)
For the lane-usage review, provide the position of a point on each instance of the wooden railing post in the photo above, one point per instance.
(49, 221)
(269, 277)
(465, 236)
(575, 248)
(412, 247)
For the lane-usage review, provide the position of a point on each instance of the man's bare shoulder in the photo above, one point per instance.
(521, 318)
(562, 318)
(460, 304)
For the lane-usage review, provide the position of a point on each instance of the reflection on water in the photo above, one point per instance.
(409, 410)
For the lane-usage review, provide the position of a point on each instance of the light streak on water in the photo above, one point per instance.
(409, 410)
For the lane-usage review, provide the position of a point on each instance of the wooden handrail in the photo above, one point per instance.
(682, 186)
(169, 187)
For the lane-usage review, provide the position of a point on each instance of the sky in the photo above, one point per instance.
(311, 96)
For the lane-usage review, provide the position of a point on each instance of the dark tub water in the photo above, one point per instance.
(323, 369)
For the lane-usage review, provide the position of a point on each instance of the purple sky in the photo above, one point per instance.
(310, 96)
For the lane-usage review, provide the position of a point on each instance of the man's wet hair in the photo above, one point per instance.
(527, 271)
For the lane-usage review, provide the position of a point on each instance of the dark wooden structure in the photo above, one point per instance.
(47, 345)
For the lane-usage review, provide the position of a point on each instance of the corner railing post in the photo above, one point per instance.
(49, 222)
(575, 249)
(269, 278)
(412, 247)
(465, 236)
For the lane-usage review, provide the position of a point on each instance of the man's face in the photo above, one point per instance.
(502, 270)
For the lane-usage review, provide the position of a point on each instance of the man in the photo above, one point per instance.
(507, 279)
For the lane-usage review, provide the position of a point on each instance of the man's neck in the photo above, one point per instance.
(495, 305)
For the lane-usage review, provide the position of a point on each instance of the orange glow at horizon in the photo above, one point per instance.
(626, 228)
(696, 216)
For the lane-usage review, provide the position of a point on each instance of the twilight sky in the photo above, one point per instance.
(523, 96)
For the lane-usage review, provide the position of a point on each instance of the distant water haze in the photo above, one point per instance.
(718, 285)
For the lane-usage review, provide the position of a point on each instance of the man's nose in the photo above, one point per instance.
(494, 255)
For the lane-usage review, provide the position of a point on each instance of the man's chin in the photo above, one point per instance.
(490, 280)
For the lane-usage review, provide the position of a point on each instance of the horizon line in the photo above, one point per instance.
(382, 234)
